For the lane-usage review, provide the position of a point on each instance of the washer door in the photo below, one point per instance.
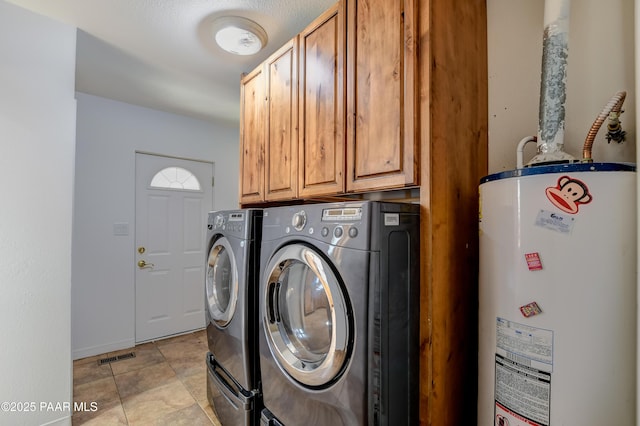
(221, 285)
(307, 317)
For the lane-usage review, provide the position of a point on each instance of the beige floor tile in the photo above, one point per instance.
(190, 416)
(156, 403)
(189, 367)
(165, 384)
(88, 372)
(186, 358)
(102, 392)
(111, 416)
(146, 355)
(144, 379)
(196, 384)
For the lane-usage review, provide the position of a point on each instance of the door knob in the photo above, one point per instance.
(143, 264)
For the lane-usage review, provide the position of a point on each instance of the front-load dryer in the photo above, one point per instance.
(233, 379)
(339, 321)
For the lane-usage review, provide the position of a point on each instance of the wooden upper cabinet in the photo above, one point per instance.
(322, 105)
(381, 94)
(252, 116)
(333, 110)
(281, 173)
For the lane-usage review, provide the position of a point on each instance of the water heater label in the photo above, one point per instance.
(554, 221)
(525, 344)
(522, 394)
(524, 362)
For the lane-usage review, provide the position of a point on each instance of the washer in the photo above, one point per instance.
(339, 321)
(233, 379)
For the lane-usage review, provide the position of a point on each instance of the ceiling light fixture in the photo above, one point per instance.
(238, 35)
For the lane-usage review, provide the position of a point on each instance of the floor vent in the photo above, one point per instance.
(120, 357)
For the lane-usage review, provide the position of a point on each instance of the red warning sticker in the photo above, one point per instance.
(530, 309)
(533, 261)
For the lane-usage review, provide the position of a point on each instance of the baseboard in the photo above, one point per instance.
(66, 420)
(103, 349)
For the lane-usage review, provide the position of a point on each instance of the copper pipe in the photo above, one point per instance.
(614, 105)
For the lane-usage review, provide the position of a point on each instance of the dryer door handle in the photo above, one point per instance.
(273, 293)
(276, 297)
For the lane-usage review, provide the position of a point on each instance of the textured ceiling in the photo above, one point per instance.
(160, 54)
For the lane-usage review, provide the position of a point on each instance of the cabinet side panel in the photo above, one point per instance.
(453, 70)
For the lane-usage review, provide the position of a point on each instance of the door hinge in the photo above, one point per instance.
(213, 181)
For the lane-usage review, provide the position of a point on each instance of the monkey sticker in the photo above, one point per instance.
(568, 194)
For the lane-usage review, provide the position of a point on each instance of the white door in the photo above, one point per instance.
(173, 197)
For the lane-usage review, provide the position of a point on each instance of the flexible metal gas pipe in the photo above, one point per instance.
(612, 109)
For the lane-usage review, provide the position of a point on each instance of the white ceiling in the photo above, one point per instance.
(160, 54)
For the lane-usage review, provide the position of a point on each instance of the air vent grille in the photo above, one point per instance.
(120, 357)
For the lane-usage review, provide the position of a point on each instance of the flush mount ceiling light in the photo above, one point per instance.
(239, 36)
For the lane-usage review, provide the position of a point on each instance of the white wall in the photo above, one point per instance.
(37, 137)
(600, 63)
(108, 135)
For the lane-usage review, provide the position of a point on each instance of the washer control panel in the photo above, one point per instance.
(232, 222)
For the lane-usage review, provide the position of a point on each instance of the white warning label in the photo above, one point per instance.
(524, 344)
(555, 221)
(523, 394)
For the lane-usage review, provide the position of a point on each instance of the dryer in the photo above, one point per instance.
(339, 314)
(233, 376)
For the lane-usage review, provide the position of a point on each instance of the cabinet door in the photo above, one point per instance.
(252, 108)
(381, 94)
(282, 113)
(322, 104)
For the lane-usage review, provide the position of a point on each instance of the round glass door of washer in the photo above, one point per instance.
(221, 285)
(307, 318)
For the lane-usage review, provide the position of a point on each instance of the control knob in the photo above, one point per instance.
(299, 220)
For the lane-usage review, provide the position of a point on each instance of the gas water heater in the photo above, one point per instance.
(557, 289)
(558, 268)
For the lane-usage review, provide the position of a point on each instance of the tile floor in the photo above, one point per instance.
(165, 384)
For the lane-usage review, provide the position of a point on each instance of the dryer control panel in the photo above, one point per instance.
(339, 224)
(338, 214)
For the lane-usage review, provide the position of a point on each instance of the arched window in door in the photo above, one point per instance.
(175, 178)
